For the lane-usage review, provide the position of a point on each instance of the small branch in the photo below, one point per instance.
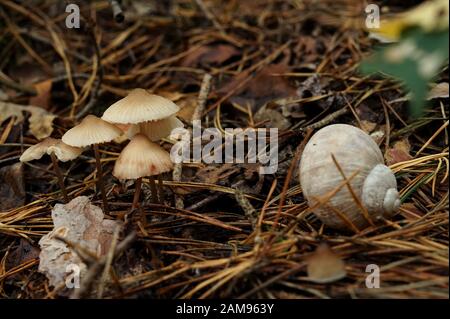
(200, 107)
(202, 97)
(247, 207)
(210, 16)
(95, 269)
(326, 120)
(5, 80)
(109, 259)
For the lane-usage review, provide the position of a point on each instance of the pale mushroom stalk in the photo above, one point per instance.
(60, 177)
(100, 185)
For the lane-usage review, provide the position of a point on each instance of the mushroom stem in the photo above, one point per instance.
(100, 178)
(137, 193)
(60, 177)
(160, 189)
(153, 189)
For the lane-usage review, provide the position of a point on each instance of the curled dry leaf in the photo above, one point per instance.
(325, 266)
(42, 99)
(210, 54)
(41, 121)
(399, 152)
(79, 222)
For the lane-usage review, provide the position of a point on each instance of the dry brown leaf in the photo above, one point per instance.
(399, 152)
(265, 87)
(42, 99)
(24, 252)
(81, 223)
(12, 190)
(41, 121)
(325, 266)
(210, 55)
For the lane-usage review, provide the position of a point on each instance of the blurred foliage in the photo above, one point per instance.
(420, 53)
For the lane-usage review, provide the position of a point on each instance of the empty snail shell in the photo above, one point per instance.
(374, 185)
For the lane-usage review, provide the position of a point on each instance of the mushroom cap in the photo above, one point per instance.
(64, 152)
(48, 146)
(140, 158)
(140, 106)
(91, 130)
(156, 130)
(38, 150)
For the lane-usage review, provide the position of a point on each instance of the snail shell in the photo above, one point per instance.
(374, 184)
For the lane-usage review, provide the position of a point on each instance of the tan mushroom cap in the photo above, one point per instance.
(140, 106)
(155, 130)
(140, 158)
(91, 130)
(64, 152)
(48, 146)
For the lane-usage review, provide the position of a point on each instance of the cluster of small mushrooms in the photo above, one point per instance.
(143, 118)
(342, 171)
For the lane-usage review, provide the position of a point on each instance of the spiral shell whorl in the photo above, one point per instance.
(355, 151)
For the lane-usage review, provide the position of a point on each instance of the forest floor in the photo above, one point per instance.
(292, 65)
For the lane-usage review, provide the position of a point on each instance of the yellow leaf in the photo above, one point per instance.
(429, 16)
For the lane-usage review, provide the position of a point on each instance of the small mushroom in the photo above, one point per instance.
(93, 131)
(142, 112)
(57, 150)
(141, 158)
(140, 106)
(155, 130)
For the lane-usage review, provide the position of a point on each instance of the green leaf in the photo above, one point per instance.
(415, 61)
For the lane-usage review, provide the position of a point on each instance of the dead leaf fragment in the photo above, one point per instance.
(41, 121)
(399, 152)
(325, 266)
(79, 222)
(12, 189)
(210, 55)
(42, 99)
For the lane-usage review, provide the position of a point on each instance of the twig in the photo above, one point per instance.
(202, 97)
(5, 80)
(198, 112)
(247, 207)
(100, 73)
(94, 270)
(326, 120)
(210, 15)
(109, 259)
